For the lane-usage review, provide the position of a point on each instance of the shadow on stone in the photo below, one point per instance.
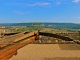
(69, 46)
(63, 58)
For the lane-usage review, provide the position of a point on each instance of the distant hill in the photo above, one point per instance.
(52, 25)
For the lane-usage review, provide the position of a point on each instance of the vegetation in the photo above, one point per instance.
(31, 28)
(51, 25)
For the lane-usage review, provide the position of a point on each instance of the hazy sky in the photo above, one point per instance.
(12, 11)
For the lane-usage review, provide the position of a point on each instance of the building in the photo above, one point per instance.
(4, 29)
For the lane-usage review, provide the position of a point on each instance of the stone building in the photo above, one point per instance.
(4, 29)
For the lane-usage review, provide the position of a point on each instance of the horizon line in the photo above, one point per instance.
(38, 22)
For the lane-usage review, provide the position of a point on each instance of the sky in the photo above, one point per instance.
(22, 11)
